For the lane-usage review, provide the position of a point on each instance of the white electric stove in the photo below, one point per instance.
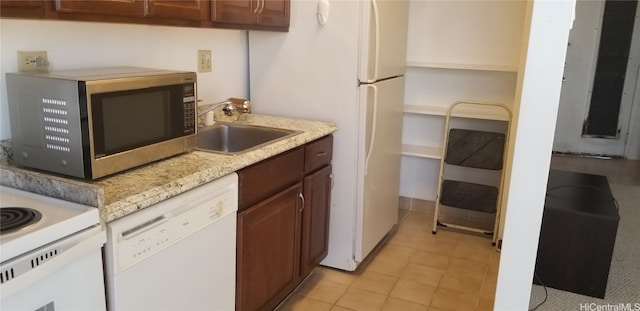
(50, 253)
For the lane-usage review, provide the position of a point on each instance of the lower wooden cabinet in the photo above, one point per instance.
(283, 223)
(268, 250)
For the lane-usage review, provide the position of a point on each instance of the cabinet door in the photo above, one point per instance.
(251, 14)
(234, 11)
(127, 8)
(274, 13)
(315, 219)
(268, 250)
(196, 10)
(23, 8)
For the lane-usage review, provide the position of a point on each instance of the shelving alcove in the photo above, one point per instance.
(431, 87)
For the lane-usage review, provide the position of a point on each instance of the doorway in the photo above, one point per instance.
(578, 88)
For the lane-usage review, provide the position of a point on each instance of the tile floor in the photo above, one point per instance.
(412, 270)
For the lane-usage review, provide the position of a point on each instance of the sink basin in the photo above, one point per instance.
(232, 138)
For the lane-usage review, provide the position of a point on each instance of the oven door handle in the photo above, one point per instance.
(130, 233)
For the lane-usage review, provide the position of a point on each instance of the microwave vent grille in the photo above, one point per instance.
(56, 124)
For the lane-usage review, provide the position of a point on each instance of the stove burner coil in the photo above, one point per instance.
(16, 218)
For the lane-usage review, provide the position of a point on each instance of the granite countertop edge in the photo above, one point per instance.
(121, 194)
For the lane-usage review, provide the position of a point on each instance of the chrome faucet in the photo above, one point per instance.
(231, 104)
(238, 104)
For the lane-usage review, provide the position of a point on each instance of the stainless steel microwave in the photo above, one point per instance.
(95, 122)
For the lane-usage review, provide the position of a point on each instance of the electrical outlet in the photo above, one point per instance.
(33, 61)
(204, 60)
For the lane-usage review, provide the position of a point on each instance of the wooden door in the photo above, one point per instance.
(315, 219)
(268, 251)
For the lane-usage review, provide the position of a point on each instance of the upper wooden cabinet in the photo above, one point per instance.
(251, 14)
(235, 14)
(23, 8)
(177, 12)
(130, 8)
(196, 10)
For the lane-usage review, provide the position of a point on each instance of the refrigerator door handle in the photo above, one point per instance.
(376, 17)
(374, 118)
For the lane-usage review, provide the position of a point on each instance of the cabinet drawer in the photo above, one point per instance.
(265, 178)
(318, 153)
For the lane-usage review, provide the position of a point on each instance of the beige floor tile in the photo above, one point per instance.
(395, 304)
(417, 221)
(335, 275)
(418, 218)
(413, 291)
(407, 240)
(422, 274)
(321, 289)
(414, 228)
(404, 274)
(302, 303)
(339, 308)
(488, 290)
(386, 266)
(429, 259)
(445, 299)
(396, 252)
(467, 267)
(375, 281)
(472, 252)
(448, 235)
(476, 239)
(361, 300)
(461, 283)
(485, 305)
(494, 262)
(437, 245)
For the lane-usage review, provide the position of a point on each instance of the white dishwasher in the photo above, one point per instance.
(179, 254)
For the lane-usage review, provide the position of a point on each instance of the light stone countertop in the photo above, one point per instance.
(124, 193)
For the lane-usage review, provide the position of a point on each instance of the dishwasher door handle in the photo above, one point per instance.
(130, 233)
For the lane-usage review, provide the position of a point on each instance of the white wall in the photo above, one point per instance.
(538, 96)
(72, 45)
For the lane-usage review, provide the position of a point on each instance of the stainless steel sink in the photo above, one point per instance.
(232, 138)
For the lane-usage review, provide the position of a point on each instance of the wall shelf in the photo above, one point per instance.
(483, 113)
(422, 151)
(463, 66)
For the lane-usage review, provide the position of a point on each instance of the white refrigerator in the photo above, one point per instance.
(349, 70)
